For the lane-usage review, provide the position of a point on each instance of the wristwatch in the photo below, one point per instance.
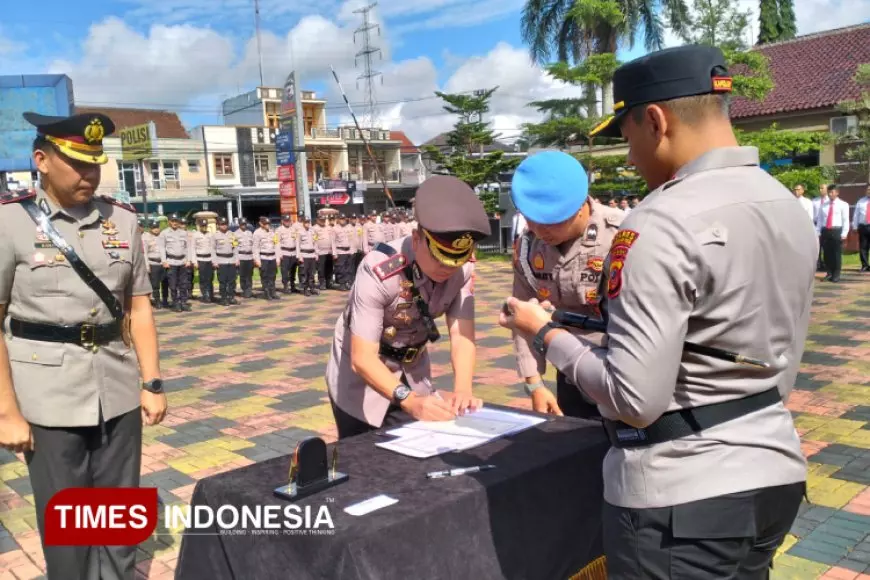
(153, 386)
(401, 393)
(538, 343)
(531, 388)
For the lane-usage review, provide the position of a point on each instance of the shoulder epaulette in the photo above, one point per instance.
(15, 196)
(121, 204)
(391, 266)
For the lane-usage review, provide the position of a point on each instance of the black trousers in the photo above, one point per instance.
(357, 260)
(732, 536)
(180, 283)
(226, 280)
(820, 265)
(156, 274)
(306, 273)
(329, 270)
(864, 245)
(268, 272)
(102, 456)
(348, 425)
(833, 247)
(206, 279)
(164, 288)
(322, 280)
(246, 276)
(572, 402)
(343, 265)
(289, 265)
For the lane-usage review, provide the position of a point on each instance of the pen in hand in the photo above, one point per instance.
(458, 471)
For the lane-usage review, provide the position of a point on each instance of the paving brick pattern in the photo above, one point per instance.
(242, 392)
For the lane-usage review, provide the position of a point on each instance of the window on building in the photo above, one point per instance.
(261, 165)
(155, 175)
(170, 174)
(223, 165)
(193, 165)
(128, 176)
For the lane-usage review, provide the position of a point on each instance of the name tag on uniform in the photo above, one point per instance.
(118, 244)
(43, 245)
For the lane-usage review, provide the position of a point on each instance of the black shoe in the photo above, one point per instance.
(232, 301)
(827, 278)
(186, 307)
(177, 307)
(306, 292)
(835, 280)
(315, 291)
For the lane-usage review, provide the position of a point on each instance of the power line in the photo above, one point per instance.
(259, 44)
(368, 50)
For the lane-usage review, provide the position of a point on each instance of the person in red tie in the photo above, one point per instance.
(861, 222)
(833, 228)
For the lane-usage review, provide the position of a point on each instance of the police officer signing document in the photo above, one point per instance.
(718, 254)
(79, 369)
(379, 371)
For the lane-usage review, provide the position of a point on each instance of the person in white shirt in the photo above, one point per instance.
(808, 206)
(518, 226)
(823, 195)
(861, 222)
(623, 205)
(832, 223)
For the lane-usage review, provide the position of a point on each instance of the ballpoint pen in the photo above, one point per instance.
(334, 459)
(458, 471)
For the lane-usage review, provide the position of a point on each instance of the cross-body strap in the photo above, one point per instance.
(431, 328)
(40, 217)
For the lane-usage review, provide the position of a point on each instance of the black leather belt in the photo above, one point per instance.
(224, 255)
(245, 253)
(268, 255)
(176, 257)
(308, 251)
(154, 262)
(86, 335)
(205, 257)
(342, 248)
(683, 422)
(288, 249)
(405, 354)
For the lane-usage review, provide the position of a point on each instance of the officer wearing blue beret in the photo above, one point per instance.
(705, 475)
(558, 259)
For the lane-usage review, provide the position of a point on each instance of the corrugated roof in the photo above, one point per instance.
(810, 72)
(168, 124)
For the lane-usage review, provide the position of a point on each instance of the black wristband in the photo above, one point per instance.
(538, 343)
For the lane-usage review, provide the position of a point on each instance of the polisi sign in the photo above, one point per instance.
(137, 142)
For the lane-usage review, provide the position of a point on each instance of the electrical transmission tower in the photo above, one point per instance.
(366, 54)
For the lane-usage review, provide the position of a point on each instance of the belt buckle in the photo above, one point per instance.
(410, 354)
(84, 338)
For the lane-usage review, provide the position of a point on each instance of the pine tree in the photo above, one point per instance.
(787, 20)
(768, 21)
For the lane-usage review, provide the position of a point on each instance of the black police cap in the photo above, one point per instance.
(174, 218)
(202, 222)
(264, 219)
(286, 217)
(673, 73)
(79, 137)
(223, 221)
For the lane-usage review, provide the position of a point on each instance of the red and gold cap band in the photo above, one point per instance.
(454, 252)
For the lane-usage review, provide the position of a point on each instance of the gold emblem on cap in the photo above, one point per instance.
(94, 132)
(390, 332)
(463, 243)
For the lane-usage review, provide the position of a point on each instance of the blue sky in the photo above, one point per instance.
(188, 55)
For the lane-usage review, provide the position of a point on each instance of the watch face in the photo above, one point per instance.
(402, 393)
(155, 386)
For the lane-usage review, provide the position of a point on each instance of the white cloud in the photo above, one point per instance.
(192, 69)
(8, 46)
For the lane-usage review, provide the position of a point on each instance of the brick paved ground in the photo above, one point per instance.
(245, 384)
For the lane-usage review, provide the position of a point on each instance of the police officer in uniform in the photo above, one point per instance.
(373, 233)
(267, 252)
(179, 261)
(306, 257)
(287, 239)
(323, 241)
(706, 473)
(226, 255)
(558, 259)
(155, 253)
(203, 247)
(379, 371)
(79, 370)
(245, 244)
(358, 223)
(343, 248)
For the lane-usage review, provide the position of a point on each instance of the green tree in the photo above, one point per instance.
(611, 174)
(465, 158)
(859, 142)
(768, 21)
(787, 20)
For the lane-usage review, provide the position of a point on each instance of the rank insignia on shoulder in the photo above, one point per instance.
(113, 201)
(15, 196)
(591, 233)
(613, 221)
(391, 266)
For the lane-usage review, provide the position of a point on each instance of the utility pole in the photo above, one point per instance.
(259, 42)
(479, 93)
(366, 54)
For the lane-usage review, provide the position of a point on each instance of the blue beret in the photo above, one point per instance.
(549, 187)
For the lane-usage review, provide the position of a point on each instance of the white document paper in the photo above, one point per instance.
(424, 439)
(368, 506)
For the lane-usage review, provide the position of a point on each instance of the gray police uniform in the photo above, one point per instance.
(178, 255)
(245, 245)
(155, 254)
(226, 256)
(82, 403)
(721, 256)
(203, 248)
(306, 256)
(287, 239)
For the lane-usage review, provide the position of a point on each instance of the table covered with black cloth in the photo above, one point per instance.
(537, 516)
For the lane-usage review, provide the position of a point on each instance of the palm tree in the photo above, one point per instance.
(574, 29)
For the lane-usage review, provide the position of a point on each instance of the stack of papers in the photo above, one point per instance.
(424, 439)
